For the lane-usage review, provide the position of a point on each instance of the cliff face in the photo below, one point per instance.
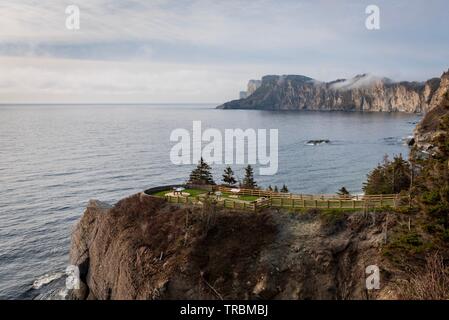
(252, 86)
(145, 248)
(427, 129)
(361, 93)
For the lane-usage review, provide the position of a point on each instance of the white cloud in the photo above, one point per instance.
(202, 50)
(248, 23)
(60, 80)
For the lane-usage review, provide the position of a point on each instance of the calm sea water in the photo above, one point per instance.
(55, 158)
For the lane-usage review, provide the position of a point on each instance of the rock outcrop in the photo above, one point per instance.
(145, 248)
(252, 86)
(427, 129)
(361, 93)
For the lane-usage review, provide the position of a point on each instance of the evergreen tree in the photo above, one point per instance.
(228, 177)
(432, 183)
(276, 189)
(391, 177)
(248, 181)
(284, 189)
(201, 174)
(269, 188)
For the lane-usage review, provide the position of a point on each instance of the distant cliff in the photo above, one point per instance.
(252, 86)
(361, 93)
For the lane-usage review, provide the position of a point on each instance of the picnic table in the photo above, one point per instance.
(178, 191)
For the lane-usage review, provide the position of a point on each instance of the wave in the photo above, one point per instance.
(46, 279)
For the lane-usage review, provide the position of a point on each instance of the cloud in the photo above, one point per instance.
(195, 22)
(198, 50)
(62, 80)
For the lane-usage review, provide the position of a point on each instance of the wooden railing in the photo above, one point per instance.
(293, 201)
(272, 194)
(221, 203)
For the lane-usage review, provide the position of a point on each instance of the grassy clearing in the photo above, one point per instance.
(197, 192)
(192, 192)
(242, 198)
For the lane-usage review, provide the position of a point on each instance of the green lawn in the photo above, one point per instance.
(196, 192)
(243, 198)
(192, 192)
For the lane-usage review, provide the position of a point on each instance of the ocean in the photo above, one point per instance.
(54, 158)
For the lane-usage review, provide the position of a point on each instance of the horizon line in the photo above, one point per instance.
(104, 103)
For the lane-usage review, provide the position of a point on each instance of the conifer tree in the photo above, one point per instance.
(432, 183)
(391, 177)
(201, 174)
(228, 177)
(248, 181)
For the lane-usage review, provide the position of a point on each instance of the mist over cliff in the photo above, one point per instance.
(363, 92)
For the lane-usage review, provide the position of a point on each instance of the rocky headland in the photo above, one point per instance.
(362, 93)
(146, 248)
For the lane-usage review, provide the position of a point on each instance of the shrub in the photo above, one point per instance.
(429, 283)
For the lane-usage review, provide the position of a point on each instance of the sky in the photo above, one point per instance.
(205, 51)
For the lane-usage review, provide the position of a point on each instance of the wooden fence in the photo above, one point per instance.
(221, 203)
(293, 201)
(329, 201)
(272, 194)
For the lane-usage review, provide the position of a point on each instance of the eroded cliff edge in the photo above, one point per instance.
(362, 93)
(428, 129)
(145, 248)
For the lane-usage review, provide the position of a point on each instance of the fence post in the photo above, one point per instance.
(316, 203)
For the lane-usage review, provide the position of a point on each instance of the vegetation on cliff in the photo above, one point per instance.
(432, 183)
(390, 177)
